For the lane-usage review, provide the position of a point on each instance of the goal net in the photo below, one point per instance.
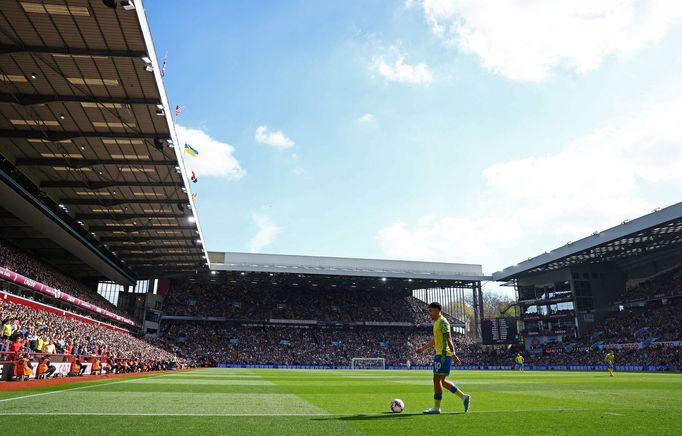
(368, 363)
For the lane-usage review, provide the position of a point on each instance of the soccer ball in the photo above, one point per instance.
(397, 405)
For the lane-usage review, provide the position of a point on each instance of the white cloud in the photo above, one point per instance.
(448, 237)
(527, 40)
(366, 118)
(592, 183)
(391, 66)
(276, 139)
(298, 171)
(215, 158)
(267, 232)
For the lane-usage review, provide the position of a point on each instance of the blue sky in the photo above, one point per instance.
(458, 131)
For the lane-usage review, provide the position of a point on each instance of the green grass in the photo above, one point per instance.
(262, 401)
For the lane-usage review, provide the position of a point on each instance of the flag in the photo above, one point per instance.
(195, 195)
(569, 347)
(191, 151)
(598, 345)
(647, 343)
(178, 110)
(640, 331)
(163, 67)
(595, 335)
(194, 177)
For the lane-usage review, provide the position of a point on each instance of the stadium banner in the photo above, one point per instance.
(281, 321)
(7, 369)
(388, 324)
(546, 301)
(630, 346)
(670, 343)
(196, 318)
(292, 321)
(62, 368)
(59, 295)
(638, 368)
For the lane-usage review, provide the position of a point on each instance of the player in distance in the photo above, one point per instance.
(609, 359)
(519, 362)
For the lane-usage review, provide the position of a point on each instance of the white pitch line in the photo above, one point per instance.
(163, 414)
(75, 389)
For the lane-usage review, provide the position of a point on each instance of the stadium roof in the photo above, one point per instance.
(346, 267)
(89, 157)
(658, 231)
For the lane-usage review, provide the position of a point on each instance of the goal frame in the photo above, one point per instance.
(354, 361)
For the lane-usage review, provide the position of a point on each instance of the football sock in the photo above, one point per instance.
(436, 400)
(457, 392)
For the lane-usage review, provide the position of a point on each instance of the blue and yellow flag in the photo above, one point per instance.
(191, 151)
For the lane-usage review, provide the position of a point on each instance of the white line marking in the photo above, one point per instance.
(75, 389)
(164, 414)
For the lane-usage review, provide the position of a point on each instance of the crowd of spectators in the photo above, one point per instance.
(287, 345)
(636, 324)
(219, 342)
(345, 306)
(29, 330)
(21, 263)
(665, 284)
(263, 343)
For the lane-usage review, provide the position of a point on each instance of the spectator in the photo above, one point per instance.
(22, 368)
(45, 368)
(96, 366)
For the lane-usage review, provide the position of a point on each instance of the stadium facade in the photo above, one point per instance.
(562, 294)
(454, 285)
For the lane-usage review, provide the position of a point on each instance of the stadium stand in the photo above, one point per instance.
(18, 261)
(334, 341)
(241, 301)
(665, 284)
(242, 323)
(300, 345)
(636, 324)
(251, 344)
(35, 330)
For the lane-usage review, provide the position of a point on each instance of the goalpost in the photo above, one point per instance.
(368, 363)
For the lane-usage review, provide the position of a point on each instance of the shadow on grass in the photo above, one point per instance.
(384, 415)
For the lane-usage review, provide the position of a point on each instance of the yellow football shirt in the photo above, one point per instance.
(441, 327)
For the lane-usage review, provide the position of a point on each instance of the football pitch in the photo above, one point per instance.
(279, 401)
